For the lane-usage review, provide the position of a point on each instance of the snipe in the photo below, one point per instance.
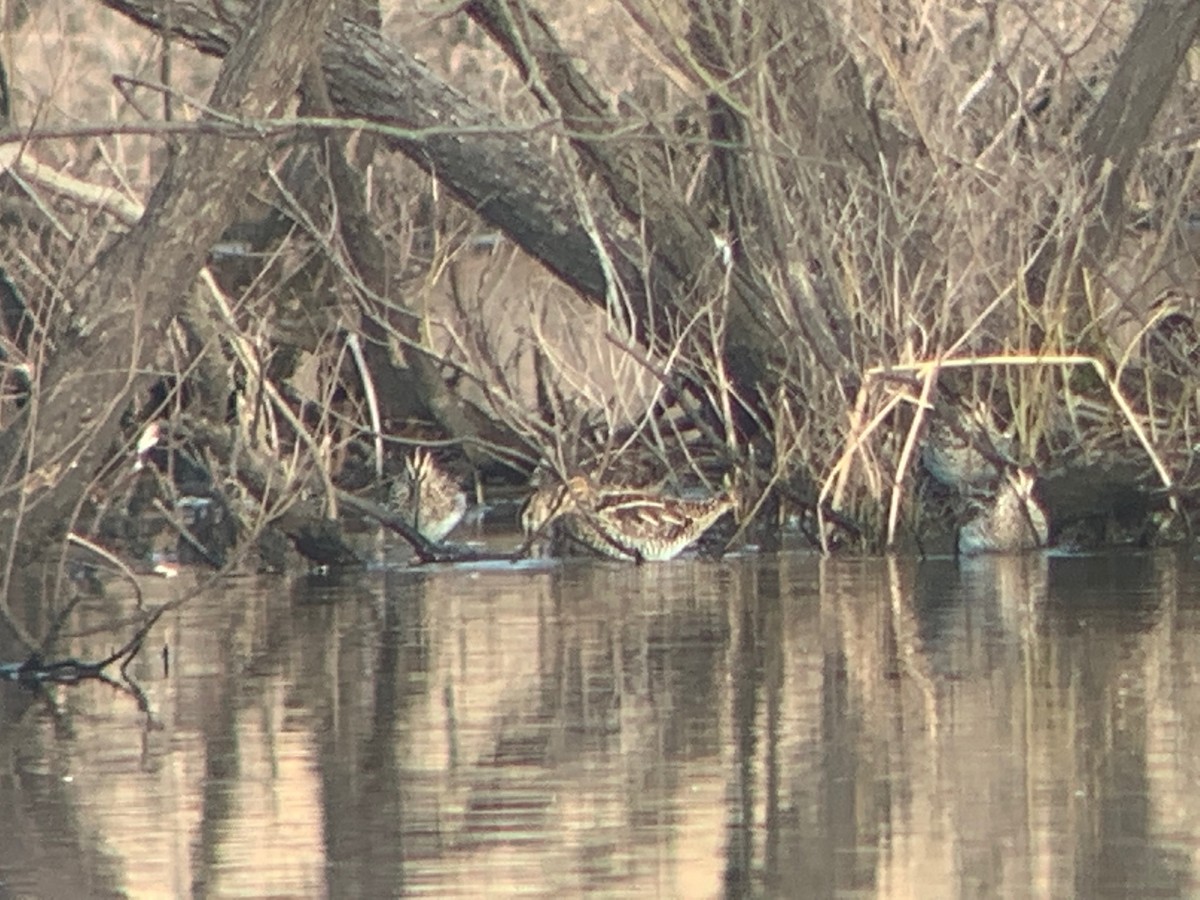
(622, 522)
(1011, 521)
(965, 449)
(427, 498)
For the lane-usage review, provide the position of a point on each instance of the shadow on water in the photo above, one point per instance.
(768, 726)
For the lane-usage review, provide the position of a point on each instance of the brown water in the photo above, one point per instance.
(770, 726)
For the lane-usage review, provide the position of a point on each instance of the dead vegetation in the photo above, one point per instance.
(765, 239)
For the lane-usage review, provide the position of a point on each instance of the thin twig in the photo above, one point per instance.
(80, 541)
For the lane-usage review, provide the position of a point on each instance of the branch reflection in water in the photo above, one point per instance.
(1011, 726)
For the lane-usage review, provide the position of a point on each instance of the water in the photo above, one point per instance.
(760, 726)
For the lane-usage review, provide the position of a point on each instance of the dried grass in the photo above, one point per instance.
(916, 255)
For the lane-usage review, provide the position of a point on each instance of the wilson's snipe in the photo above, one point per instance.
(622, 522)
(1010, 522)
(964, 449)
(427, 498)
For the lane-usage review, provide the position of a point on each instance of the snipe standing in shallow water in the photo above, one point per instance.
(1010, 522)
(427, 498)
(621, 522)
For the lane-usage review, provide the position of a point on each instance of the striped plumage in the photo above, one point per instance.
(427, 498)
(623, 522)
(1012, 521)
(965, 449)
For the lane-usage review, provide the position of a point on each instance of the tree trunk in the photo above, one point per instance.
(120, 315)
(638, 183)
(369, 256)
(1116, 131)
(496, 171)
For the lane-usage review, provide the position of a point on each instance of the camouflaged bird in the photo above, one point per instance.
(1009, 522)
(623, 522)
(427, 498)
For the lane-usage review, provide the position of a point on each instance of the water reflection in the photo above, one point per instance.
(776, 725)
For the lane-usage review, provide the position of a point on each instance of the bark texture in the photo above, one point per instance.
(1118, 128)
(120, 315)
(497, 171)
(639, 185)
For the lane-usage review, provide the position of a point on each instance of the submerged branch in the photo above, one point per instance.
(38, 671)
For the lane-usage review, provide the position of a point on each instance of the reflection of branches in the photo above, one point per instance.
(37, 671)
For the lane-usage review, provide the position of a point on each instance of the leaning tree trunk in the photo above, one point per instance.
(496, 171)
(641, 188)
(120, 315)
(1118, 127)
(366, 250)
(1114, 134)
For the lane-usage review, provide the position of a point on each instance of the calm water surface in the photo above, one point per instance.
(765, 726)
